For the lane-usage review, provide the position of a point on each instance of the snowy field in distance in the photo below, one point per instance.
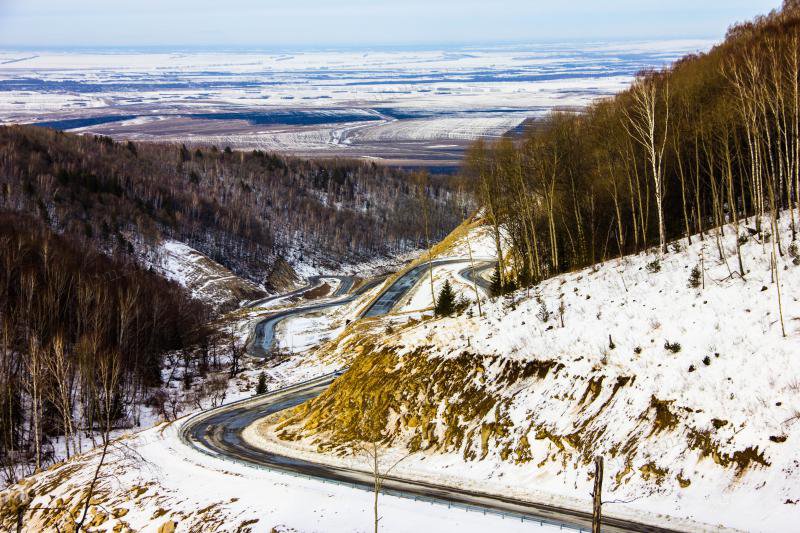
(384, 103)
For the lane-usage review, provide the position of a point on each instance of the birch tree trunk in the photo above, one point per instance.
(648, 125)
(597, 503)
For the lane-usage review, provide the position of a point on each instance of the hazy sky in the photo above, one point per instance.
(342, 22)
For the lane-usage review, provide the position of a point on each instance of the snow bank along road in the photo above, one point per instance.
(218, 432)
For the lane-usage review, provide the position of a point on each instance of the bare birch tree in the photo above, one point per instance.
(374, 451)
(62, 370)
(648, 125)
(108, 374)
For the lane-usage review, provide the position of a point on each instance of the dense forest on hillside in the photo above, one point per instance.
(82, 338)
(241, 209)
(84, 328)
(714, 138)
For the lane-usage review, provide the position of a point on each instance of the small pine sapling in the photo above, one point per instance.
(446, 304)
(695, 277)
(261, 386)
(496, 283)
(544, 313)
(654, 266)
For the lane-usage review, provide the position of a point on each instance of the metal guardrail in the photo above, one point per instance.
(187, 424)
(407, 496)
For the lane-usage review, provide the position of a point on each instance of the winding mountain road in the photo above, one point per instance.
(346, 283)
(263, 334)
(392, 295)
(218, 432)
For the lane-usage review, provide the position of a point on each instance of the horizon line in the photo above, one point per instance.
(358, 46)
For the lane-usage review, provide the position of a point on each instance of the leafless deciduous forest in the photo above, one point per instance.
(241, 209)
(713, 139)
(82, 337)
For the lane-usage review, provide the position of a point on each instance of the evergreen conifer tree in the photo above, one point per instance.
(496, 284)
(261, 387)
(446, 303)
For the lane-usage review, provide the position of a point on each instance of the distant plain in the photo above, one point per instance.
(408, 107)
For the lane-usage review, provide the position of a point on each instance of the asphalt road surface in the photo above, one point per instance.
(345, 284)
(263, 335)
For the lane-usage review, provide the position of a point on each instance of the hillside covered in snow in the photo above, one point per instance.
(684, 383)
(204, 278)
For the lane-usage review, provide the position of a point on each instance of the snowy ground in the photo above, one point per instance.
(299, 334)
(213, 283)
(470, 239)
(305, 333)
(420, 297)
(704, 432)
(152, 479)
(306, 264)
(693, 399)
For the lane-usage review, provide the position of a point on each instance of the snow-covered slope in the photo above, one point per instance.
(205, 279)
(154, 483)
(690, 393)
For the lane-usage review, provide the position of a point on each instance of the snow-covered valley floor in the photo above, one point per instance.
(390, 104)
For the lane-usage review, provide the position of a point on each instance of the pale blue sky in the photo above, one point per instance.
(354, 22)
